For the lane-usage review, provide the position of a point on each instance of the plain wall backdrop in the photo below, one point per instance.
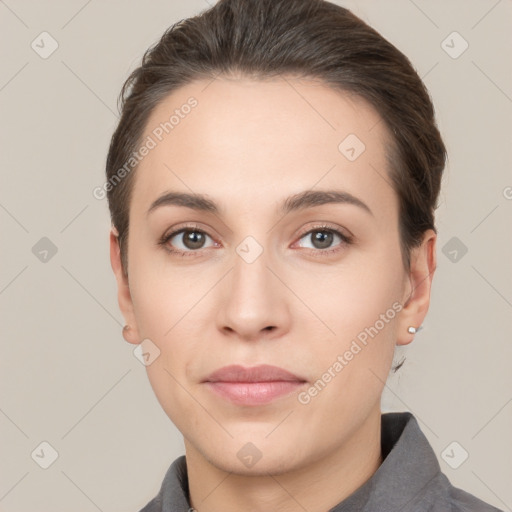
(67, 376)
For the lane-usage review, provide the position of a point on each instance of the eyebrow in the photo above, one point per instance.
(300, 201)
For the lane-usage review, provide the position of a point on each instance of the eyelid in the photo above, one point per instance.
(344, 233)
(192, 226)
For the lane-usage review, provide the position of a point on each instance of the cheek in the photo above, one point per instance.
(159, 291)
(359, 294)
(360, 306)
(166, 303)
(163, 315)
(352, 369)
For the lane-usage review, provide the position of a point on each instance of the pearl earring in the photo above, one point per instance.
(412, 330)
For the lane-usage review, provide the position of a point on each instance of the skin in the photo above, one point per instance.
(248, 145)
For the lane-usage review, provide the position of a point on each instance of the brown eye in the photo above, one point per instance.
(186, 240)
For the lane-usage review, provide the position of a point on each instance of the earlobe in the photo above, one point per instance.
(130, 331)
(129, 335)
(417, 295)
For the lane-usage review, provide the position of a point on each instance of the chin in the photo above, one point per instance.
(250, 455)
(276, 465)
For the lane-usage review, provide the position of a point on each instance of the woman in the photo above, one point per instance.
(272, 185)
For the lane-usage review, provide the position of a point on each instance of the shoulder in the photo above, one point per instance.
(463, 501)
(155, 505)
(412, 466)
(442, 496)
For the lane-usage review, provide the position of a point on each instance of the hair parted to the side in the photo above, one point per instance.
(302, 38)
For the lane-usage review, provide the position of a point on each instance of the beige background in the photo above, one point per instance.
(68, 377)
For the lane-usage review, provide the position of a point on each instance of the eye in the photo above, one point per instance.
(185, 241)
(322, 238)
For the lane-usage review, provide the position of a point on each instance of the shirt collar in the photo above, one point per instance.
(408, 468)
(409, 464)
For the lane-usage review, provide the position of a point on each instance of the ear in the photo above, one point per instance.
(131, 334)
(416, 298)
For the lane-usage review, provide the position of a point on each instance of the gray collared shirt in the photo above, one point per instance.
(408, 480)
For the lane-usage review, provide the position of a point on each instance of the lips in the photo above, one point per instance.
(262, 373)
(253, 386)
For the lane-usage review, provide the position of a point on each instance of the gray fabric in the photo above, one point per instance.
(408, 480)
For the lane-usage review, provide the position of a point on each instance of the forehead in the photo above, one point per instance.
(254, 141)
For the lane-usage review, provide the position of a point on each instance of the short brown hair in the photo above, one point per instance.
(305, 38)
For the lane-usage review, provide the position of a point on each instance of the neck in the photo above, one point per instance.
(316, 486)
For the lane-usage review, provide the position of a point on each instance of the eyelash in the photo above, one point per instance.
(345, 240)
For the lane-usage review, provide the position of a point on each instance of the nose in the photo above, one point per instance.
(254, 302)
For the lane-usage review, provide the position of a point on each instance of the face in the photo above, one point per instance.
(292, 261)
